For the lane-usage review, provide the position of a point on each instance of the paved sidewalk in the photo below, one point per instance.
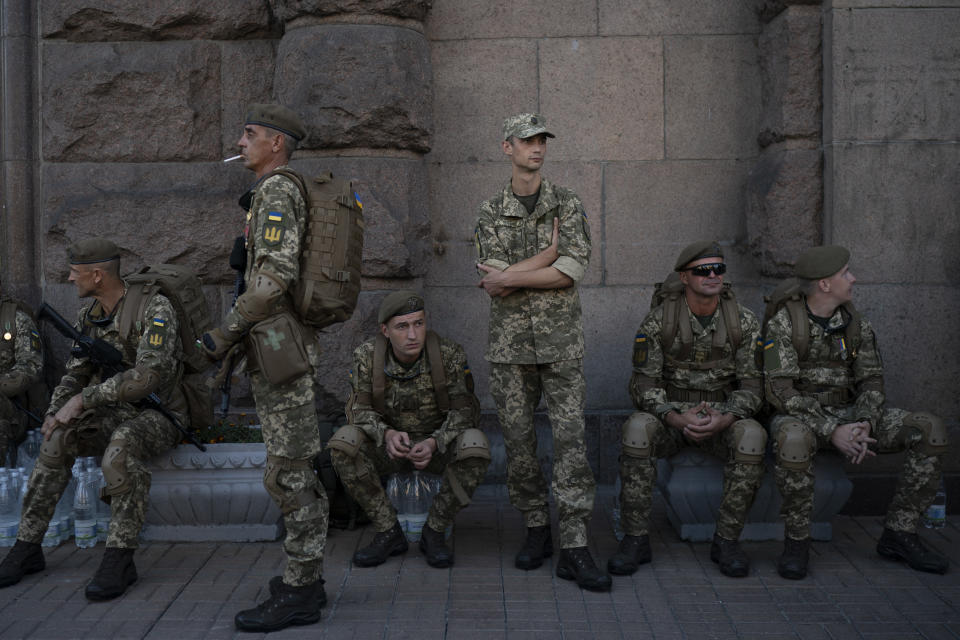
(193, 590)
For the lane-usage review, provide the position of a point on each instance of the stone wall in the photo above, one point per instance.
(771, 125)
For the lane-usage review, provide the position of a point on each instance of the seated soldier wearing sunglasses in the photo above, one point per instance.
(695, 383)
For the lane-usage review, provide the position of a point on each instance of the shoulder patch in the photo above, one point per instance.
(771, 355)
(640, 350)
(34, 340)
(273, 228)
(156, 332)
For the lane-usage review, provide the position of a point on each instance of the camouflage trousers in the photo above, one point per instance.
(289, 422)
(916, 486)
(145, 434)
(517, 388)
(741, 480)
(361, 477)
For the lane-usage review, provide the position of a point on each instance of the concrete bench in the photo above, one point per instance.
(691, 483)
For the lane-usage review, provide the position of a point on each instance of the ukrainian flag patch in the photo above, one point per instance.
(275, 216)
(356, 198)
(640, 350)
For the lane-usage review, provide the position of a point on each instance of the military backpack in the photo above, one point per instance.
(676, 319)
(332, 252)
(182, 287)
(790, 294)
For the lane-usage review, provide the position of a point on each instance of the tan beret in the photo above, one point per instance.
(821, 262)
(399, 303)
(276, 117)
(93, 250)
(697, 250)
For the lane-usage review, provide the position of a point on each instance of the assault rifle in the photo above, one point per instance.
(110, 361)
(238, 262)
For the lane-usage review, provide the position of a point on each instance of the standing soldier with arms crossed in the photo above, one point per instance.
(21, 363)
(89, 416)
(281, 355)
(824, 376)
(700, 387)
(411, 407)
(534, 245)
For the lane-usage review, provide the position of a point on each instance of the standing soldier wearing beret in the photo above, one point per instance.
(89, 415)
(695, 383)
(21, 362)
(281, 357)
(824, 376)
(411, 407)
(533, 242)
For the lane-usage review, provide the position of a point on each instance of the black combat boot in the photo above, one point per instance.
(577, 564)
(731, 558)
(115, 574)
(633, 552)
(794, 559)
(23, 558)
(435, 548)
(538, 545)
(385, 544)
(286, 606)
(900, 545)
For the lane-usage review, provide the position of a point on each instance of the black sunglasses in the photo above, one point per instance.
(703, 270)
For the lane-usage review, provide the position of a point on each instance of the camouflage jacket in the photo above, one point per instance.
(276, 225)
(409, 399)
(22, 353)
(831, 367)
(154, 343)
(736, 373)
(535, 326)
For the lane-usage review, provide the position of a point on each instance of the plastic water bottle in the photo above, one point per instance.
(936, 515)
(103, 509)
(395, 491)
(29, 450)
(615, 512)
(416, 507)
(84, 517)
(9, 509)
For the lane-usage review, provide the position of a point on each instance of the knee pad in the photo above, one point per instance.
(472, 443)
(794, 446)
(346, 440)
(285, 499)
(639, 431)
(934, 432)
(114, 467)
(750, 440)
(53, 451)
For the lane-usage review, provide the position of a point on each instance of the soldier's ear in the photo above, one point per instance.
(384, 331)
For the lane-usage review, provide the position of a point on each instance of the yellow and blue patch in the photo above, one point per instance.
(157, 333)
(34, 340)
(273, 229)
(771, 355)
(275, 216)
(356, 198)
(640, 350)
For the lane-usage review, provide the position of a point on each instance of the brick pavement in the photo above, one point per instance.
(193, 590)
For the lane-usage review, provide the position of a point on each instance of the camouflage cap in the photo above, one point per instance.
(93, 250)
(525, 125)
(399, 303)
(697, 250)
(821, 262)
(276, 117)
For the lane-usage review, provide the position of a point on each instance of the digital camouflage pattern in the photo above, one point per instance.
(653, 372)
(516, 389)
(21, 362)
(535, 326)
(276, 224)
(536, 348)
(735, 376)
(831, 364)
(411, 406)
(154, 345)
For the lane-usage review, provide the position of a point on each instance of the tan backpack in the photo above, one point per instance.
(332, 253)
(183, 288)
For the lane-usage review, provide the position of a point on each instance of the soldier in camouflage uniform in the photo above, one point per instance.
(830, 394)
(397, 424)
(89, 415)
(699, 392)
(21, 362)
(281, 356)
(533, 242)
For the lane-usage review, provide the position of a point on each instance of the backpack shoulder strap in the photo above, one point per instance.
(801, 326)
(731, 316)
(134, 303)
(297, 179)
(379, 378)
(437, 372)
(852, 331)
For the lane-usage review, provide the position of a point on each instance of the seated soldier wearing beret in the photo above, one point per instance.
(412, 407)
(695, 383)
(824, 376)
(91, 414)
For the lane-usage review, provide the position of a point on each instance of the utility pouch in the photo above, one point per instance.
(278, 349)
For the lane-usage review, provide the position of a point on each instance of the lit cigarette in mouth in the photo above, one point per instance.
(233, 158)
